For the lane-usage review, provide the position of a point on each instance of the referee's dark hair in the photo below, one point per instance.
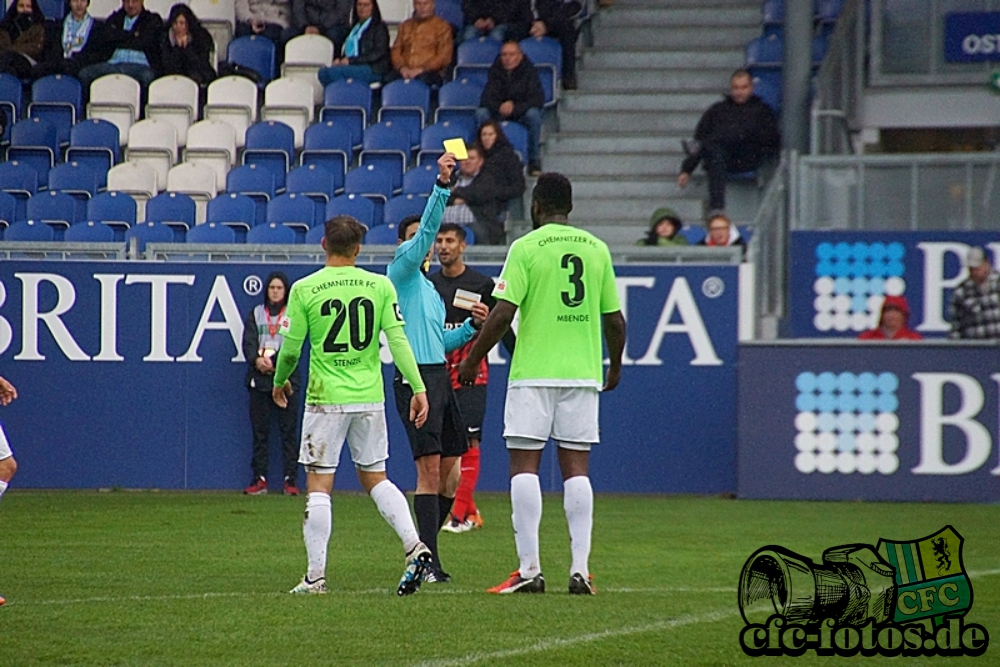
(342, 234)
(404, 223)
(554, 194)
(453, 227)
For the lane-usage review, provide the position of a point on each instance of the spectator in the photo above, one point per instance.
(514, 92)
(423, 46)
(22, 38)
(267, 18)
(186, 47)
(722, 232)
(132, 37)
(493, 18)
(893, 323)
(974, 311)
(554, 18)
(261, 342)
(501, 162)
(664, 229)
(365, 55)
(473, 200)
(68, 44)
(733, 136)
(331, 18)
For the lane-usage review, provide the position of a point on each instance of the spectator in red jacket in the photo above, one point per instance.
(893, 323)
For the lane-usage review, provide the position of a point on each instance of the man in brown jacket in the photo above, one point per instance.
(423, 46)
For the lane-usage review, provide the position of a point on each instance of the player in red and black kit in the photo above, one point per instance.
(453, 277)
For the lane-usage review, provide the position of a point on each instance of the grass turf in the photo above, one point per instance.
(146, 578)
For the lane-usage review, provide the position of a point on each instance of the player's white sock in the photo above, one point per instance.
(316, 528)
(395, 510)
(526, 515)
(578, 503)
(3, 487)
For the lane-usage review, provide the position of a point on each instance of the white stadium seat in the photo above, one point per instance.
(153, 142)
(174, 99)
(212, 143)
(289, 101)
(195, 180)
(233, 99)
(115, 98)
(305, 55)
(135, 179)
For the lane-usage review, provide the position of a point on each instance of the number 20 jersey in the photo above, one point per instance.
(562, 280)
(342, 309)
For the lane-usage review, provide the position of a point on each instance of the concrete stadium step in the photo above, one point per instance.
(652, 187)
(564, 143)
(648, 122)
(623, 100)
(597, 164)
(680, 37)
(654, 80)
(662, 58)
(614, 233)
(636, 210)
(674, 16)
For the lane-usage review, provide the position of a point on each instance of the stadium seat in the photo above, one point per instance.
(117, 209)
(767, 86)
(211, 232)
(8, 209)
(174, 99)
(11, 99)
(290, 102)
(315, 234)
(772, 13)
(233, 209)
(407, 103)
(255, 52)
(312, 181)
(58, 99)
(101, 9)
(135, 179)
(272, 232)
(433, 136)
(765, 53)
(517, 135)
(305, 55)
(470, 236)
(255, 182)
(693, 233)
(399, 207)
(479, 52)
(54, 208)
(387, 147)
(89, 232)
(372, 182)
(827, 11)
(115, 98)
(233, 100)
(195, 180)
(149, 232)
(348, 102)
(356, 206)
(545, 53)
(271, 145)
(420, 180)
(153, 143)
(459, 99)
(35, 142)
(20, 181)
(174, 209)
(382, 235)
(94, 143)
(212, 143)
(329, 146)
(292, 210)
(29, 230)
(217, 17)
(76, 180)
(450, 11)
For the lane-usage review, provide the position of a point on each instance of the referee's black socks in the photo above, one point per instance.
(444, 509)
(427, 509)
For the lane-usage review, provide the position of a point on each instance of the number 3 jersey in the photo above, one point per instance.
(562, 280)
(342, 310)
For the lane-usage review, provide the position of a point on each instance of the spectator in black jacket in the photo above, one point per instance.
(514, 92)
(22, 38)
(68, 43)
(365, 56)
(129, 44)
(733, 136)
(499, 19)
(331, 18)
(501, 163)
(554, 18)
(473, 200)
(186, 47)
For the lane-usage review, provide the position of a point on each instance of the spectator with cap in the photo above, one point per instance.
(893, 323)
(974, 311)
(664, 229)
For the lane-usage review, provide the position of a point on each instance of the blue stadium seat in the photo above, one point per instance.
(433, 136)
(399, 207)
(772, 12)
(35, 142)
(450, 11)
(545, 53)
(74, 178)
(470, 236)
(11, 100)
(819, 45)
(255, 182)
(481, 51)
(149, 232)
(382, 235)
(459, 99)
(315, 235)
(407, 102)
(117, 209)
(767, 86)
(356, 206)
(693, 234)
(517, 135)
(349, 103)
(313, 181)
(94, 143)
(827, 11)
(765, 52)
(292, 210)
(53, 208)
(372, 182)
(255, 52)
(271, 145)
(91, 232)
(54, 10)
(211, 232)
(57, 98)
(420, 180)
(233, 209)
(330, 146)
(19, 180)
(272, 232)
(387, 148)
(29, 230)
(8, 209)
(175, 209)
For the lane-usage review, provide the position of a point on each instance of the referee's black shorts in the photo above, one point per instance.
(444, 432)
(472, 403)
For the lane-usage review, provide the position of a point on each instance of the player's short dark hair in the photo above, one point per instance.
(554, 194)
(404, 223)
(453, 227)
(342, 233)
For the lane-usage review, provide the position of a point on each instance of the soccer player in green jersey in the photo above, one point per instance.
(342, 309)
(562, 281)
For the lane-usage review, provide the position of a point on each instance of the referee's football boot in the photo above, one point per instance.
(580, 585)
(418, 562)
(307, 587)
(518, 584)
(435, 575)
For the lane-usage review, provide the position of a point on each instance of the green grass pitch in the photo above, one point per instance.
(146, 578)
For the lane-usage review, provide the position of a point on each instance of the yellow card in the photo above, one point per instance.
(456, 146)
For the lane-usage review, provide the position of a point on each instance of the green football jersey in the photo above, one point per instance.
(562, 281)
(342, 310)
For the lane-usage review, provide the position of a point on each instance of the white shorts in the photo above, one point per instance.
(565, 414)
(325, 427)
(5, 452)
